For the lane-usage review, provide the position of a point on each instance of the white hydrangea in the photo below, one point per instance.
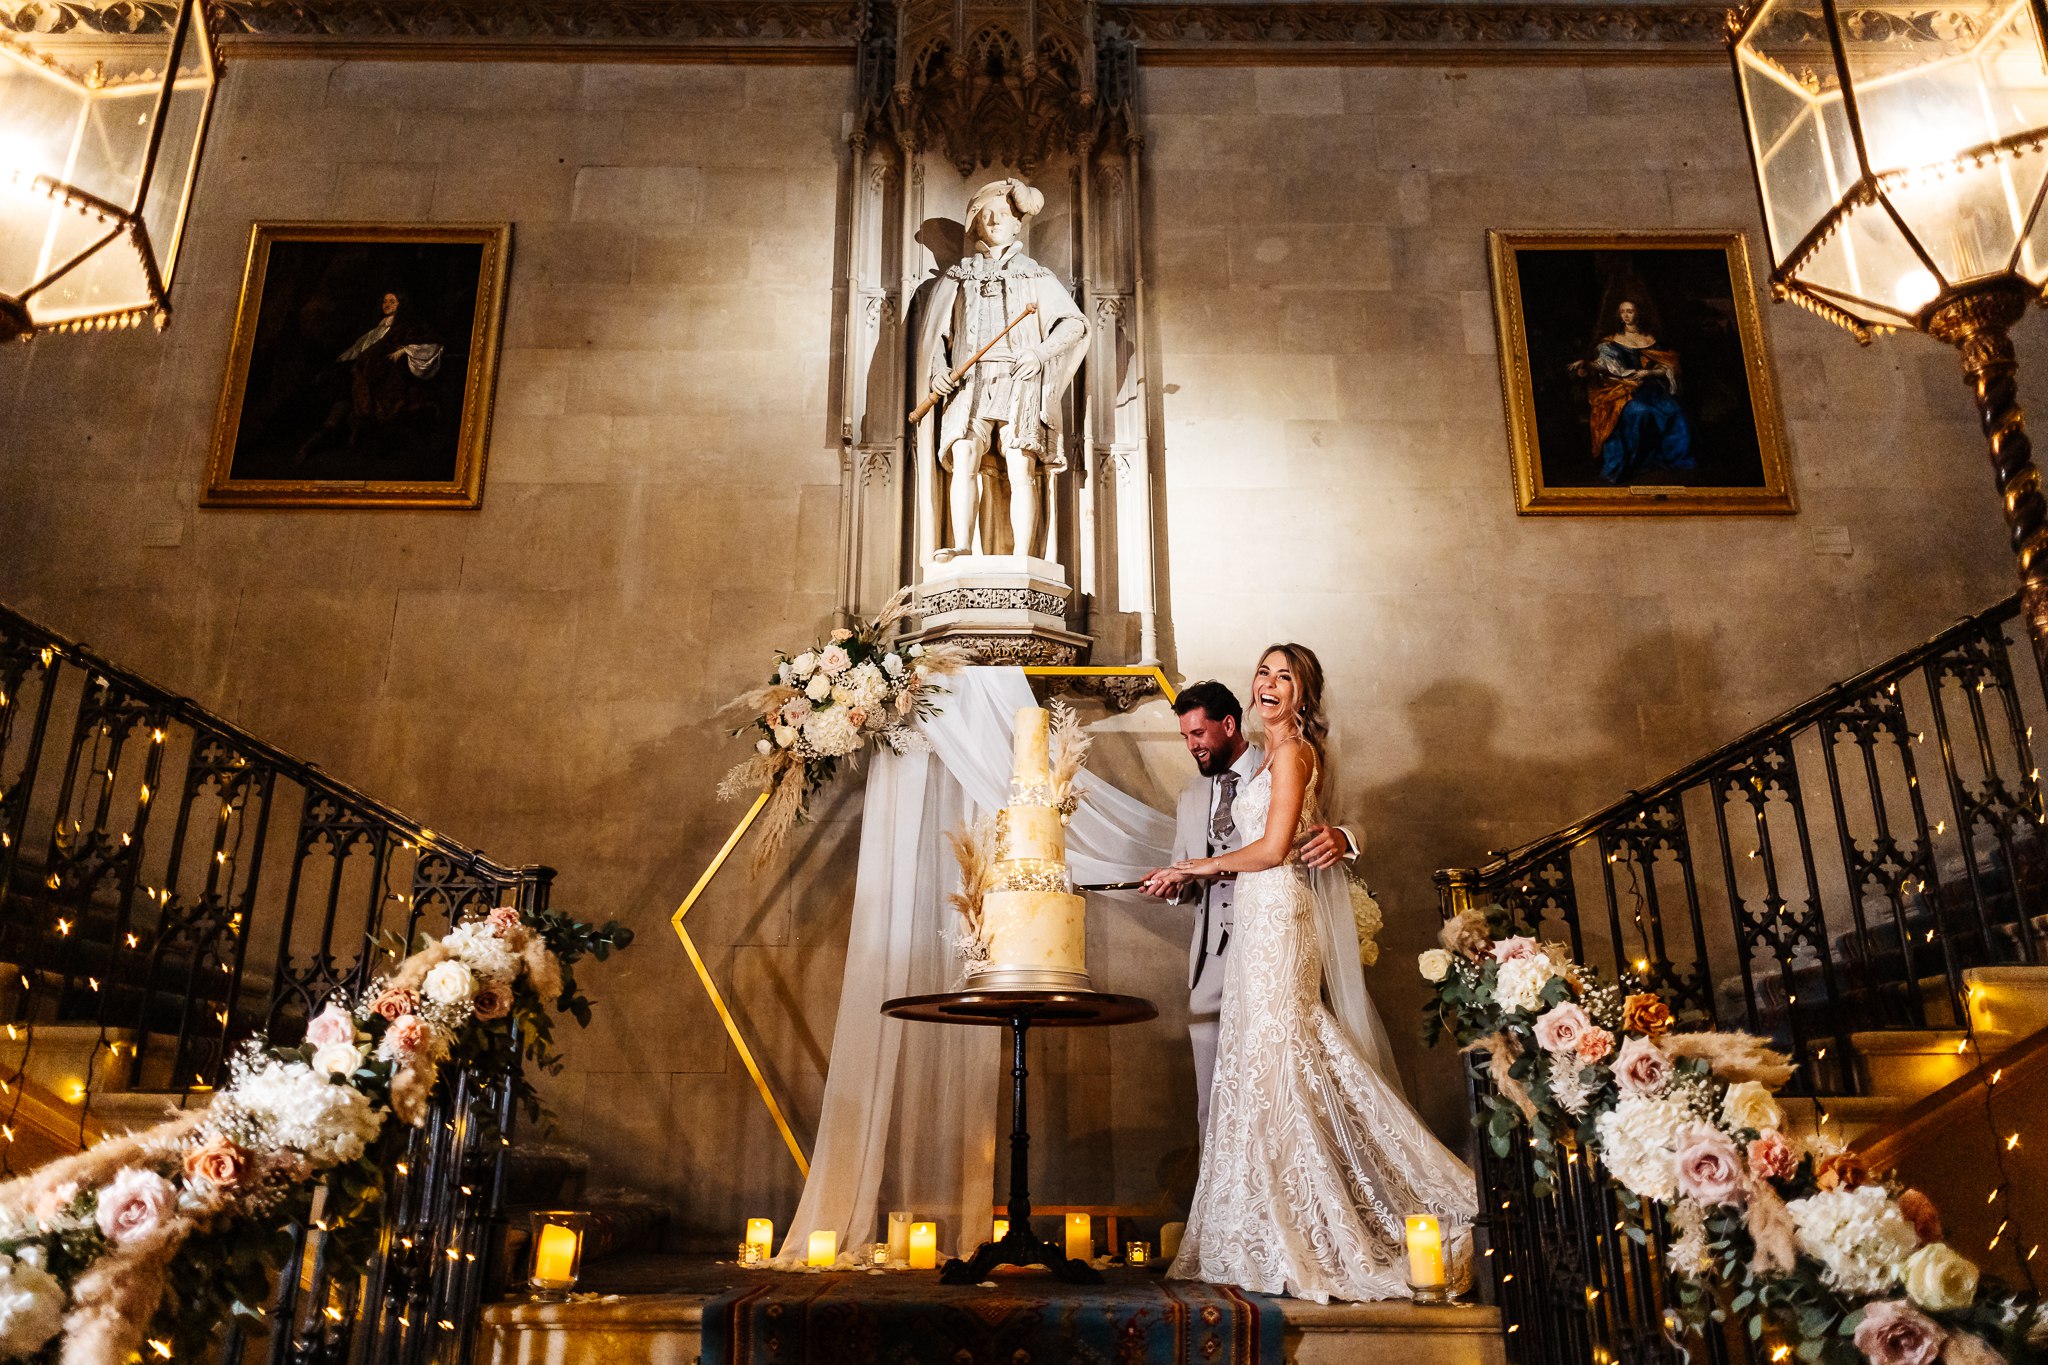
(287, 1105)
(832, 732)
(31, 1305)
(1639, 1141)
(1859, 1237)
(486, 954)
(1521, 981)
(865, 684)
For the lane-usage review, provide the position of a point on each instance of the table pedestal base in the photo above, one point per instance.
(1019, 1246)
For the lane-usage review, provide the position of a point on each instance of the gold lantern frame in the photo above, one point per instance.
(187, 34)
(1152, 672)
(1971, 309)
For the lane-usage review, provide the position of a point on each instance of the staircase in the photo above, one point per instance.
(1864, 881)
(172, 886)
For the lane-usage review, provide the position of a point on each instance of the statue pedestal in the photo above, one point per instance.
(1004, 609)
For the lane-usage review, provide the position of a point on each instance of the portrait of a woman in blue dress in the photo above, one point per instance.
(1639, 428)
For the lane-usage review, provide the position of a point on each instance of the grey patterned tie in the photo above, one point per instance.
(1223, 824)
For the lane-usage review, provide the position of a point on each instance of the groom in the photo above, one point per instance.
(1212, 724)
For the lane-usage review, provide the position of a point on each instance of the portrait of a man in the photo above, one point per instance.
(1635, 374)
(361, 367)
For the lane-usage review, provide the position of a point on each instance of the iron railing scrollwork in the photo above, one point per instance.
(1833, 872)
(171, 886)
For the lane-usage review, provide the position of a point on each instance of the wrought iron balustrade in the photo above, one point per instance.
(1833, 872)
(170, 885)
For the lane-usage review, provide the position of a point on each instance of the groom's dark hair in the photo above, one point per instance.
(1213, 697)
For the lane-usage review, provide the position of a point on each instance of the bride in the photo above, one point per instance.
(1313, 1158)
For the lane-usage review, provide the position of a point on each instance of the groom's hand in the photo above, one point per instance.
(1324, 847)
(1166, 884)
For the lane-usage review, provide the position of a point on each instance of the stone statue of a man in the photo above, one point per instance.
(1007, 407)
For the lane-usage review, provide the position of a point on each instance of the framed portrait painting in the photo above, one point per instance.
(362, 367)
(1634, 374)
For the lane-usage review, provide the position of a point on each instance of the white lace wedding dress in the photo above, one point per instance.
(1313, 1159)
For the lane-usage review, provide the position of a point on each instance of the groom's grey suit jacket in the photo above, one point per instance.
(1211, 901)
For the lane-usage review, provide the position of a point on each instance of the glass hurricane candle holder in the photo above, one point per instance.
(1137, 1253)
(557, 1251)
(1427, 1283)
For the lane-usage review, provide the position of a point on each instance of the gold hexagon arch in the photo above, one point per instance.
(732, 1029)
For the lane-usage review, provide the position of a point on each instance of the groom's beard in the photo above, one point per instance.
(1215, 765)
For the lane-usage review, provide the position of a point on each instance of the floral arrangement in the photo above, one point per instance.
(823, 706)
(1794, 1238)
(151, 1240)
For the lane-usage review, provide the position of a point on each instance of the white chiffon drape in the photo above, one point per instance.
(909, 1113)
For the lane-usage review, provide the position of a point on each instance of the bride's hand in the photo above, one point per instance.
(1198, 867)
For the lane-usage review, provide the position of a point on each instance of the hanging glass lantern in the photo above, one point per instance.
(1898, 153)
(100, 133)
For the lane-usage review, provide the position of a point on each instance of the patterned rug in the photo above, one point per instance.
(851, 1318)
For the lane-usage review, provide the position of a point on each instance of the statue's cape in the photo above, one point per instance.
(1029, 282)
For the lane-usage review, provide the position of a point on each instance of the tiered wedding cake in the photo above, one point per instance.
(1031, 932)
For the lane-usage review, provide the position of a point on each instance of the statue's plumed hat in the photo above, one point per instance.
(1024, 200)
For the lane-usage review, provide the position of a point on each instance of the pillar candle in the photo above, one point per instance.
(1169, 1239)
(554, 1259)
(1002, 1229)
(1080, 1237)
(1425, 1251)
(899, 1236)
(761, 1236)
(824, 1247)
(924, 1246)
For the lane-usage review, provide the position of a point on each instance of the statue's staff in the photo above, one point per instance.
(960, 371)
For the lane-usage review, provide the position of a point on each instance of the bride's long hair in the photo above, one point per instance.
(1308, 676)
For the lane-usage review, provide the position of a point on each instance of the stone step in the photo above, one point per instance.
(69, 1060)
(127, 1111)
(2012, 1001)
(1841, 1117)
(651, 1309)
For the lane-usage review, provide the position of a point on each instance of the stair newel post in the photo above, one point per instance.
(1979, 325)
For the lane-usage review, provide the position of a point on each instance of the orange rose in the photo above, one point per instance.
(394, 1004)
(220, 1163)
(1840, 1171)
(1645, 1013)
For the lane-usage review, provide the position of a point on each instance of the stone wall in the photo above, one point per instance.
(660, 508)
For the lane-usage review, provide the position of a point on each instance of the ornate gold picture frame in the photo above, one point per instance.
(1634, 374)
(364, 360)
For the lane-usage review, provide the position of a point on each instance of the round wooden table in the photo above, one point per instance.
(1021, 1010)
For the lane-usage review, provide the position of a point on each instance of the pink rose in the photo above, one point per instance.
(493, 1000)
(1559, 1028)
(394, 1004)
(1919, 1210)
(1896, 1333)
(1595, 1045)
(1509, 949)
(407, 1035)
(331, 1025)
(1641, 1068)
(1771, 1157)
(503, 918)
(1709, 1167)
(133, 1204)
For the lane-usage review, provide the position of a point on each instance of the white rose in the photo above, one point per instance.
(1434, 965)
(785, 735)
(1749, 1105)
(782, 672)
(764, 746)
(338, 1059)
(834, 660)
(892, 664)
(916, 651)
(803, 664)
(1940, 1279)
(450, 983)
(819, 688)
